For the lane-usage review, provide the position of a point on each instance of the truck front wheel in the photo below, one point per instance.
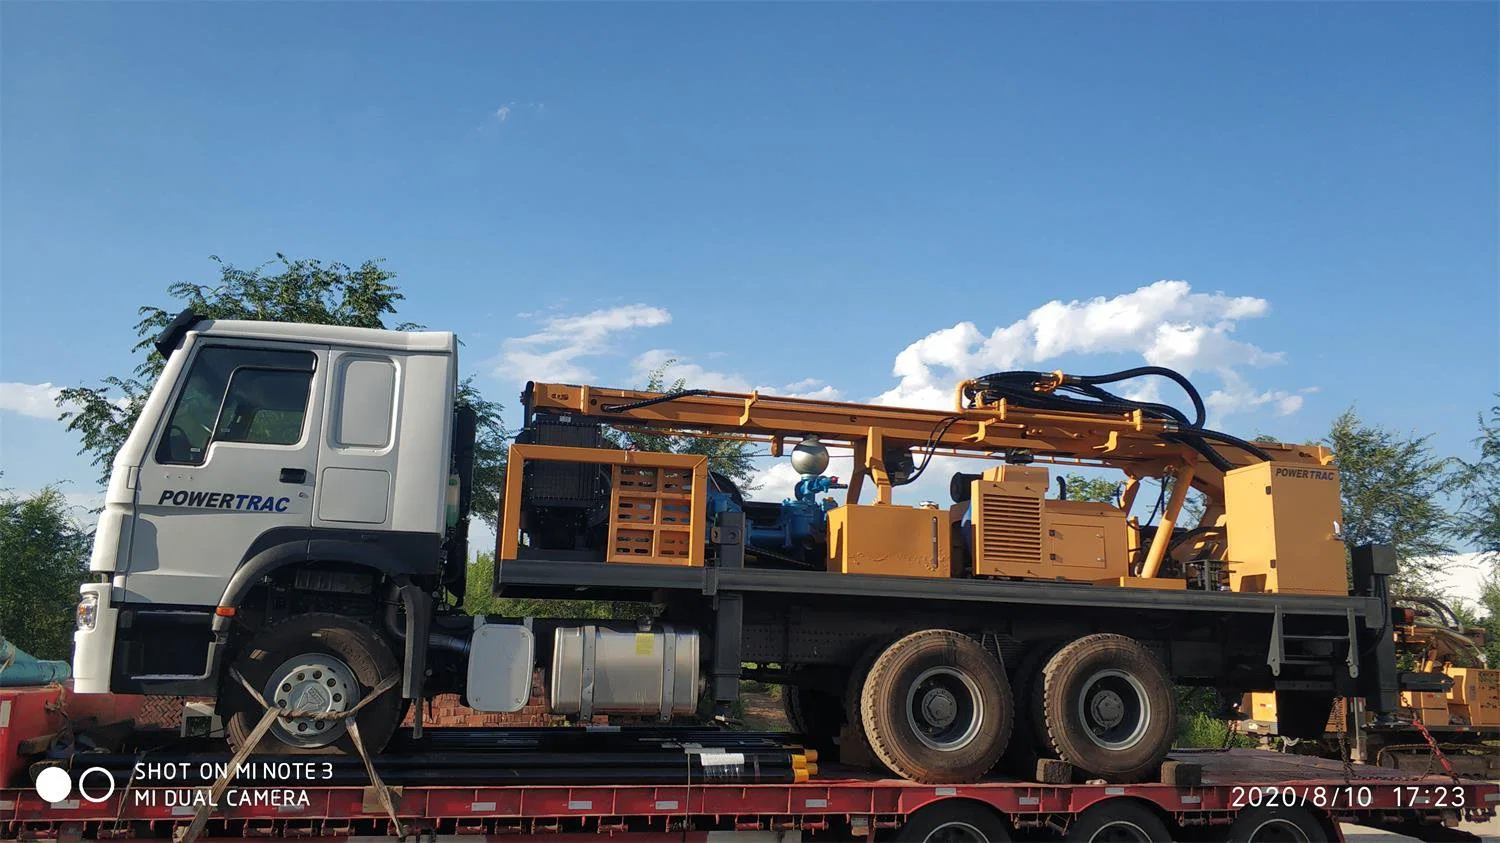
(936, 708)
(313, 663)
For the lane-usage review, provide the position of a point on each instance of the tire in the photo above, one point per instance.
(954, 821)
(1029, 742)
(1118, 821)
(936, 708)
(816, 715)
(1110, 708)
(852, 693)
(856, 685)
(1277, 825)
(792, 707)
(356, 661)
(1303, 714)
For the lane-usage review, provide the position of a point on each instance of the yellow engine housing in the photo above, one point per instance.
(1019, 533)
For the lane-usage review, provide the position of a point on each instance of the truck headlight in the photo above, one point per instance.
(88, 611)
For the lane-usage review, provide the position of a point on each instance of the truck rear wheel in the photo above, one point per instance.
(1118, 821)
(954, 821)
(852, 691)
(815, 714)
(936, 708)
(1277, 825)
(1109, 707)
(313, 662)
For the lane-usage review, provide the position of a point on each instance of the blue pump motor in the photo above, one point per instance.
(799, 519)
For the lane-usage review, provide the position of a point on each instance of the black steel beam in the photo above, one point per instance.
(574, 575)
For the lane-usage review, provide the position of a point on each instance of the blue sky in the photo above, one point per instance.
(782, 195)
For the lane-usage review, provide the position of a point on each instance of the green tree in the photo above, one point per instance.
(1477, 521)
(1392, 485)
(729, 457)
(43, 560)
(491, 449)
(1489, 598)
(1096, 489)
(282, 290)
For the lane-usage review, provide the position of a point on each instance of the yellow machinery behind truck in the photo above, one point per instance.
(1447, 689)
(936, 637)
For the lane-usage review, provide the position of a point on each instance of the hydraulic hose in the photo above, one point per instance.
(660, 399)
(1084, 393)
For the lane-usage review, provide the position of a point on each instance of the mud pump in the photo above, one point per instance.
(289, 517)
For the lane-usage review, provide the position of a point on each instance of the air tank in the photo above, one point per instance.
(810, 456)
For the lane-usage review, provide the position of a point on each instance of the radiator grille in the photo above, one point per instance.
(1010, 529)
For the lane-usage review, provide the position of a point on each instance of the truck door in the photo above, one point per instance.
(358, 459)
(237, 456)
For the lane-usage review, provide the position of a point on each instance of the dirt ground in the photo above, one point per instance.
(764, 711)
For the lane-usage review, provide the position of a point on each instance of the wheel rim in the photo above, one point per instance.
(1278, 831)
(1114, 709)
(955, 832)
(311, 682)
(1120, 831)
(944, 708)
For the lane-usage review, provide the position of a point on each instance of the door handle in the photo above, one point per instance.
(294, 475)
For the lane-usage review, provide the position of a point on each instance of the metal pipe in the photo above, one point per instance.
(1163, 535)
(434, 639)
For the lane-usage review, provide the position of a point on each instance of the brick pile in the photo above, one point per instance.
(164, 712)
(446, 710)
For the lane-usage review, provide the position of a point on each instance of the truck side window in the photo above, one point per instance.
(238, 395)
(367, 402)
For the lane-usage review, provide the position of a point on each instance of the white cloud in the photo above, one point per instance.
(1166, 323)
(38, 400)
(1239, 397)
(775, 482)
(695, 376)
(552, 354)
(509, 110)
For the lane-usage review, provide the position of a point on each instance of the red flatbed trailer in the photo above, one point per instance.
(835, 805)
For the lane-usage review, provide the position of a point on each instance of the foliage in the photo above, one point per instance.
(1477, 521)
(1201, 723)
(283, 290)
(1096, 489)
(1489, 601)
(43, 560)
(491, 449)
(1391, 486)
(731, 458)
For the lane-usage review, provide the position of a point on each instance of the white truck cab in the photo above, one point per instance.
(274, 463)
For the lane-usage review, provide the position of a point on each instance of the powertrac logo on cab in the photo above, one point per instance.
(223, 500)
(1307, 473)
